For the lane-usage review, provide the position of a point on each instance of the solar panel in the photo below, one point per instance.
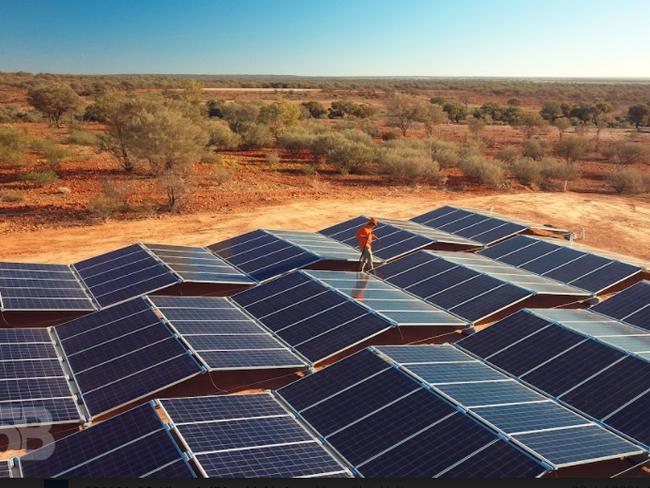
(313, 319)
(4, 469)
(470, 224)
(132, 444)
(34, 389)
(248, 436)
(123, 274)
(395, 237)
(122, 354)
(197, 264)
(386, 424)
(41, 287)
(631, 305)
(264, 254)
(206, 326)
(530, 422)
(400, 307)
(450, 282)
(573, 266)
(577, 356)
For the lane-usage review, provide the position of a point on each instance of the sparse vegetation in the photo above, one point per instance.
(629, 181)
(13, 144)
(52, 154)
(81, 138)
(407, 160)
(53, 100)
(488, 172)
(40, 178)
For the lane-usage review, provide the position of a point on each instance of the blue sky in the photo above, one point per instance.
(548, 38)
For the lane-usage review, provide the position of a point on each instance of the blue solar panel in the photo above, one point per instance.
(342, 374)
(430, 452)
(498, 460)
(221, 407)
(4, 469)
(390, 425)
(20, 351)
(631, 305)
(623, 382)
(358, 401)
(267, 290)
(422, 354)
(198, 327)
(180, 314)
(567, 446)
(571, 368)
(530, 416)
(39, 412)
(189, 302)
(453, 373)
(633, 419)
(509, 330)
(132, 444)
(489, 393)
(271, 462)
(30, 369)
(492, 302)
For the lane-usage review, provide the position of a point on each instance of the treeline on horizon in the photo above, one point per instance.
(576, 90)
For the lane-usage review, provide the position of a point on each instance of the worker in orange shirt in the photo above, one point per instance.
(366, 236)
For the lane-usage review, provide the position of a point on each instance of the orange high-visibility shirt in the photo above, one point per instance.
(365, 236)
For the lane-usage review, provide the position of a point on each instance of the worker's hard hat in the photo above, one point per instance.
(373, 221)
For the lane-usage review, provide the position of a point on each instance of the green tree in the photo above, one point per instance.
(431, 116)
(531, 121)
(278, 115)
(551, 111)
(571, 148)
(53, 100)
(562, 124)
(638, 115)
(456, 111)
(315, 109)
(402, 111)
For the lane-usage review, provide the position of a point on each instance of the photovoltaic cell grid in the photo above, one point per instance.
(463, 284)
(41, 287)
(248, 436)
(198, 265)
(315, 320)
(542, 426)
(224, 337)
(471, 224)
(631, 305)
(385, 424)
(5, 472)
(33, 386)
(123, 274)
(134, 444)
(123, 353)
(580, 357)
(563, 263)
(264, 254)
(385, 299)
(395, 238)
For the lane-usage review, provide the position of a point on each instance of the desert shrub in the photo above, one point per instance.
(475, 126)
(554, 172)
(446, 153)
(40, 178)
(527, 171)
(310, 169)
(177, 183)
(532, 148)
(11, 113)
(507, 154)
(53, 100)
(629, 181)
(13, 143)
(113, 198)
(81, 138)
(624, 152)
(488, 172)
(222, 138)
(316, 110)
(390, 135)
(348, 151)
(407, 160)
(211, 158)
(571, 148)
(296, 139)
(10, 196)
(272, 158)
(50, 152)
(255, 136)
(222, 174)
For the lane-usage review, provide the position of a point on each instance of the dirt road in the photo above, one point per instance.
(611, 223)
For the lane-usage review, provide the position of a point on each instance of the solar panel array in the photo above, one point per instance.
(264, 254)
(121, 354)
(563, 263)
(386, 300)
(542, 426)
(594, 364)
(222, 336)
(631, 305)
(198, 265)
(123, 274)
(5, 471)
(244, 436)
(34, 389)
(468, 285)
(386, 424)
(315, 320)
(135, 444)
(43, 287)
(395, 237)
(470, 224)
